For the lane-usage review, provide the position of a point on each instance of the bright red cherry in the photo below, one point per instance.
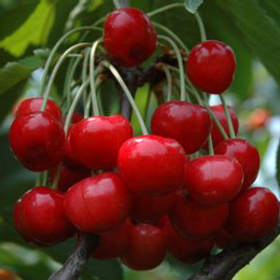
(253, 214)
(129, 37)
(114, 243)
(39, 217)
(187, 123)
(193, 220)
(95, 142)
(246, 154)
(37, 140)
(147, 248)
(34, 104)
(211, 66)
(152, 165)
(98, 204)
(213, 180)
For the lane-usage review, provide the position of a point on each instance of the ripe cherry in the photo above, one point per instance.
(34, 104)
(129, 37)
(253, 214)
(95, 142)
(37, 140)
(246, 154)
(224, 239)
(211, 66)
(147, 248)
(98, 204)
(213, 180)
(152, 165)
(193, 220)
(39, 217)
(187, 123)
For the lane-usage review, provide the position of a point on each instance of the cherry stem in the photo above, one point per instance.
(128, 95)
(228, 117)
(210, 145)
(84, 71)
(165, 8)
(180, 65)
(121, 3)
(169, 82)
(56, 177)
(201, 26)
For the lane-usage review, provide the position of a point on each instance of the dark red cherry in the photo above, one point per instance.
(37, 140)
(114, 243)
(193, 220)
(147, 248)
(187, 123)
(152, 165)
(129, 37)
(185, 249)
(246, 154)
(224, 239)
(211, 66)
(95, 142)
(253, 214)
(34, 104)
(98, 204)
(76, 117)
(213, 180)
(39, 217)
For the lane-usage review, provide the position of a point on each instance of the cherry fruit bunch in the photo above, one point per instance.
(183, 188)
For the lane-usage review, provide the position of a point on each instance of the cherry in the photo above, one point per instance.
(99, 203)
(152, 165)
(211, 66)
(187, 123)
(34, 104)
(147, 248)
(39, 217)
(253, 214)
(95, 142)
(76, 117)
(37, 140)
(114, 243)
(129, 37)
(224, 239)
(193, 220)
(213, 180)
(246, 154)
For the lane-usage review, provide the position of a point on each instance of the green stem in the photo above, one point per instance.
(169, 83)
(210, 145)
(201, 27)
(56, 177)
(229, 120)
(166, 8)
(84, 72)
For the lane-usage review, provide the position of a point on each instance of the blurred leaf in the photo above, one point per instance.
(193, 5)
(278, 164)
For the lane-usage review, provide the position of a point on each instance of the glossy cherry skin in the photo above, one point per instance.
(211, 66)
(152, 165)
(39, 217)
(253, 214)
(185, 249)
(96, 141)
(213, 180)
(246, 154)
(98, 204)
(147, 248)
(129, 37)
(148, 209)
(193, 220)
(37, 140)
(187, 123)
(114, 243)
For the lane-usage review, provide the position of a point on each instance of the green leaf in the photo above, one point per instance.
(193, 5)
(278, 164)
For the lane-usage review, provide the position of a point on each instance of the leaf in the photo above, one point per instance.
(278, 164)
(193, 5)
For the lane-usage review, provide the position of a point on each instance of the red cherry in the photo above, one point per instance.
(147, 209)
(152, 165)
(98, 204)
(129, 37)
(34, 104)
(76, 117)
(253, 214)
(114, 243)
(39, 217)
(147, 248)
(95, 142)
(211, 66)
(224, 239)
(184, 249)
(37, 140)
(187, 123)
(193, 220)
(213, 180)
(246, 154)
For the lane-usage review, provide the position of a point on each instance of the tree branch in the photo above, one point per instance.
(73, 267)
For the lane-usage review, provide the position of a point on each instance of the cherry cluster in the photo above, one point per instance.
(184, 188)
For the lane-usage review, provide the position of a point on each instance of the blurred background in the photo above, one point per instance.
(29, 29)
